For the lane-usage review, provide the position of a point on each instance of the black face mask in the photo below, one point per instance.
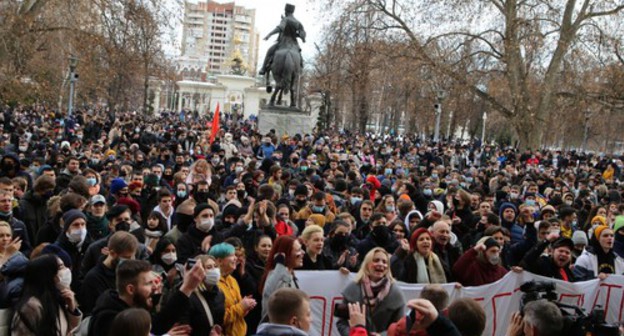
(240, 194)
(201, 196)
(122, 226)
(300, 202)
(338, 242)
(381, 233)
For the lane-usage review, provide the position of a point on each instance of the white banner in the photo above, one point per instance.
(499, 299)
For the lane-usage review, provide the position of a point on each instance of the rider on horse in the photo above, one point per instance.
(287, 19)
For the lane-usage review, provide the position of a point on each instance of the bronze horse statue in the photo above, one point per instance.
(286, 66)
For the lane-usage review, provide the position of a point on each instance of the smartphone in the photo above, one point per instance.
(341, 310)
(410, 318)
(190, 263)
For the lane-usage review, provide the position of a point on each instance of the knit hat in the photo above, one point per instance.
(579, 238)
(560, 242)
(415, 235)
(59, 252)
(117, 184)
(601, 219)
(201, 207)
(619, 223)
(134, 206)
(70, 216)
(506, 206)
(490, 242)
(598, 230)
(135, 185)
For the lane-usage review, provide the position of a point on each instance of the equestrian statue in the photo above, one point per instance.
(283, 60)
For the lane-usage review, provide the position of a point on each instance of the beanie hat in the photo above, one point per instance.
(201, 207)
(230, 210)
(598, 230)
(415, 235)
(579, 237)
(489, 243)
(619, 223)
(506, 206)
(601, 219)
(117, 184)
(59, 252)
(70, 216)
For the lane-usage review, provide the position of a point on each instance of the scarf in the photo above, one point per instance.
(429, 271)
(375, 292)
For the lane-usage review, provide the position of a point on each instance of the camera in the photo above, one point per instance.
(575, 321)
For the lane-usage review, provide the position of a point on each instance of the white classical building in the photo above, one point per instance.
(233, 93)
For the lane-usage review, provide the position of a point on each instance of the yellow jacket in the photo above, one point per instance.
(234, 319)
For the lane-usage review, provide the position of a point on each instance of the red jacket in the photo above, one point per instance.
(470, 271)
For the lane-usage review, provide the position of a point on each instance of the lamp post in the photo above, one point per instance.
(73, 76)
(438, 112)
(483, 130)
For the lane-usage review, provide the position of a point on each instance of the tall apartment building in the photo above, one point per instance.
(213, 34)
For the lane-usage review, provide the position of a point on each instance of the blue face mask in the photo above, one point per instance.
(181, 193)
(434, 176)
(427, 192)
(318, 209)
(388, 171)
(355, 200)
(530, 202)
(92, 181)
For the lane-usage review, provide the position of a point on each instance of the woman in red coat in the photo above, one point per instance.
(480, 265)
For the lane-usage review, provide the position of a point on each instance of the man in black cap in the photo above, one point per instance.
(554, 265)
(268, 59)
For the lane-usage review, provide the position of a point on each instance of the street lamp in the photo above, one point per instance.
(483, 130)
(438, 112)
(73, 77)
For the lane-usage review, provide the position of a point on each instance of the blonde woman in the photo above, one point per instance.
(313, 239)
(375, 288)
(200, 171)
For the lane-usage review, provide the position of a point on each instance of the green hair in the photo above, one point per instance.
(222, 250)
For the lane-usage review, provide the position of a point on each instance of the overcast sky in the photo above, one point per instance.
(268, 14)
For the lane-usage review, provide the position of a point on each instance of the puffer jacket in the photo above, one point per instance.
(11, 286)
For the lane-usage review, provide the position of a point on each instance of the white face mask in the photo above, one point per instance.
(205, 225)
(65, 278)
(212, 276)
(77, 235)
(169, 258)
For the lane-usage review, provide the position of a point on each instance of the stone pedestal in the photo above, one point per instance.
(285, 120)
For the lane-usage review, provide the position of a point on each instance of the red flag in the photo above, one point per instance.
(215, 125)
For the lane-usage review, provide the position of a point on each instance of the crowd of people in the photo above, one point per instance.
(118, 223)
